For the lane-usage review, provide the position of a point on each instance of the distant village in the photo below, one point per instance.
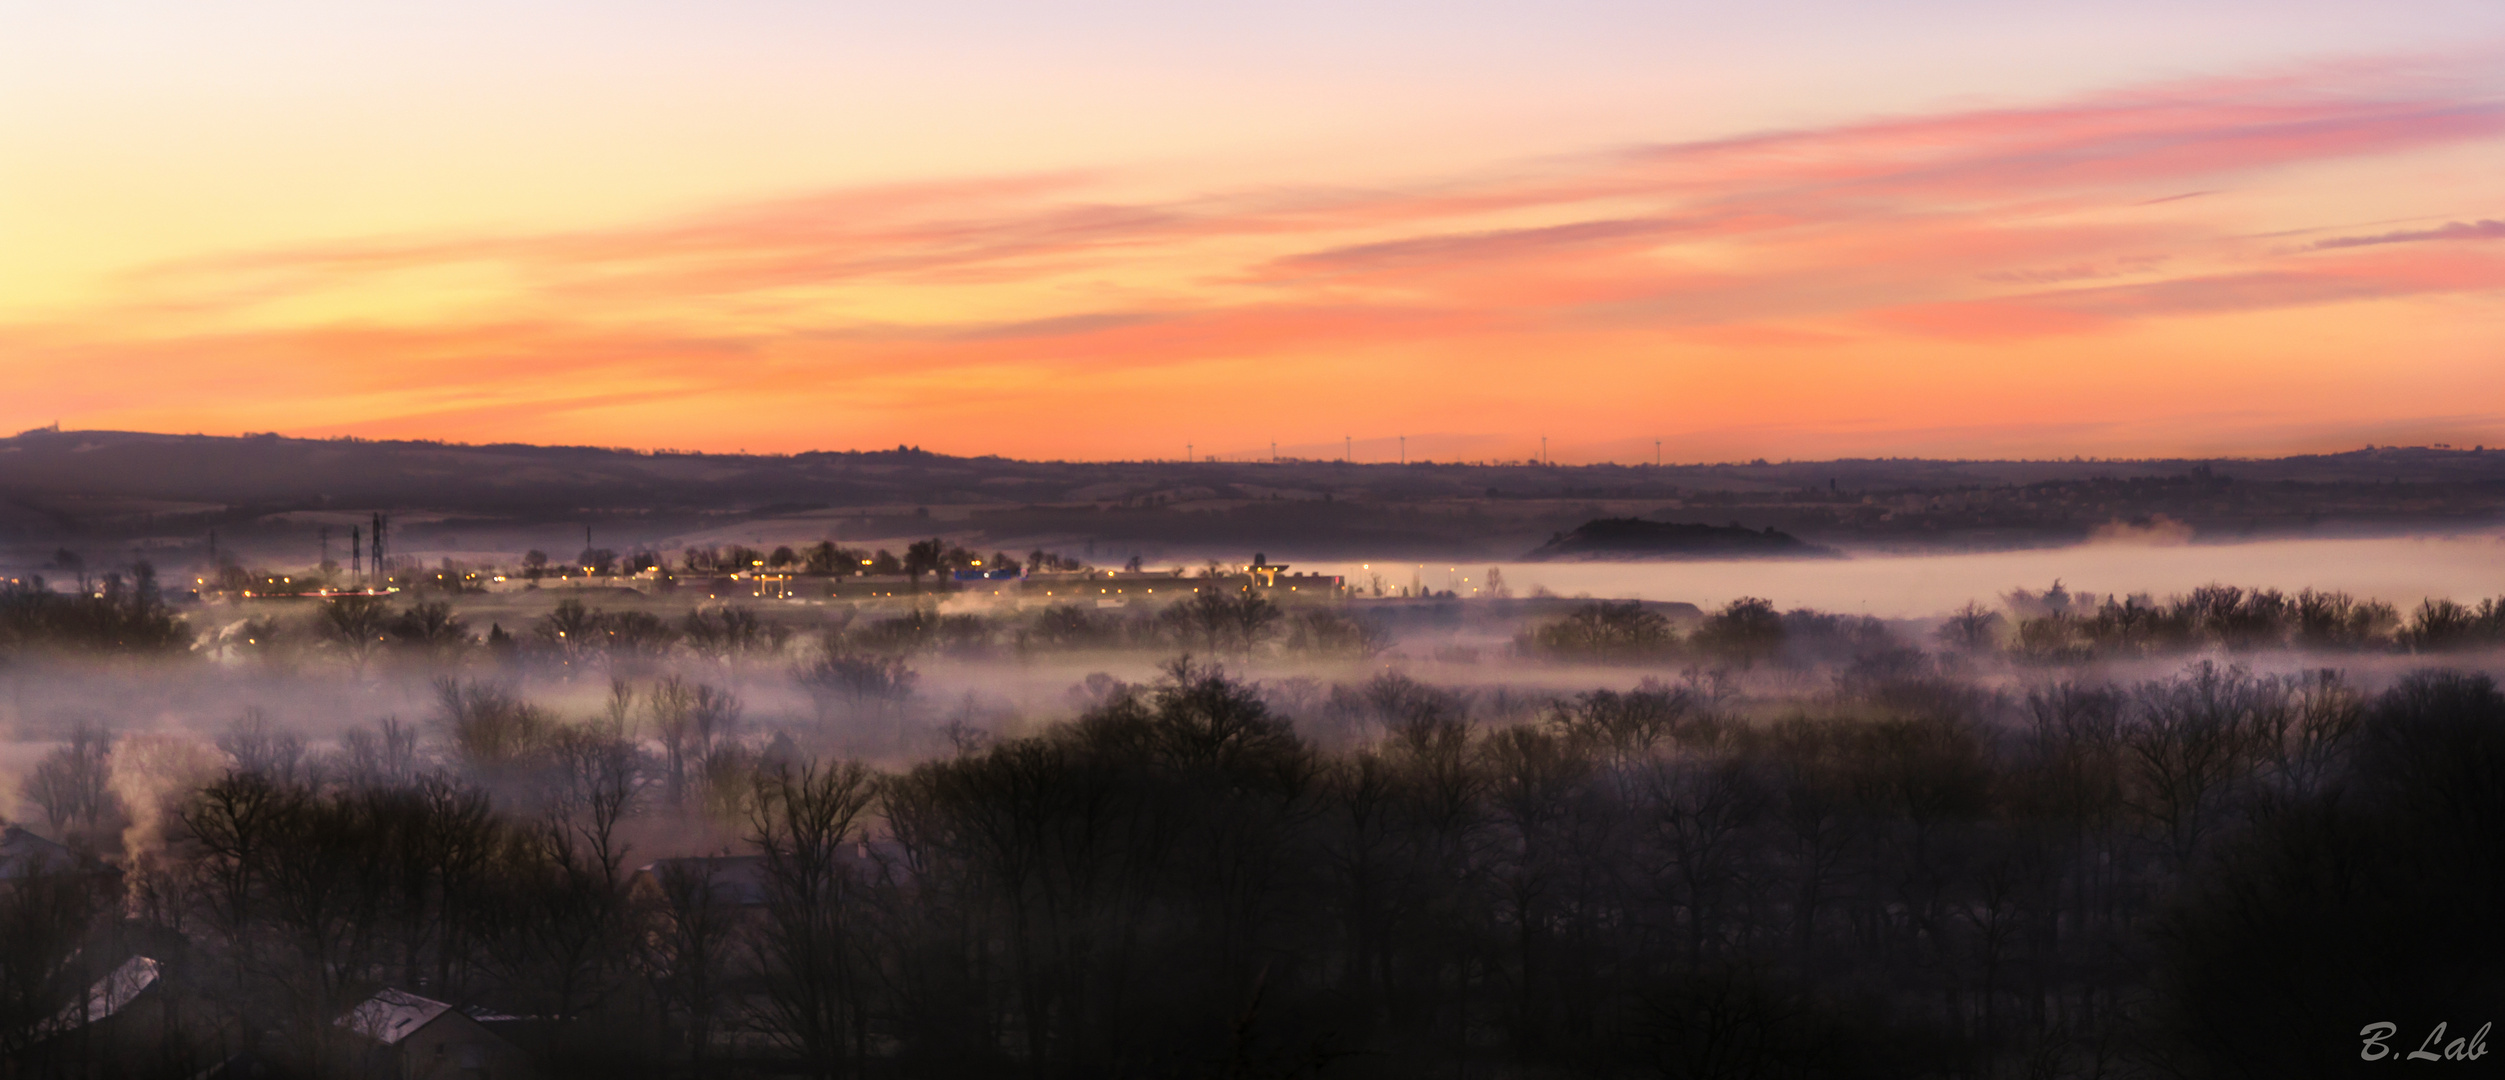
(821, 571)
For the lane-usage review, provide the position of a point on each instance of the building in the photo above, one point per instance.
(124, 1023)
(1116, 588)
(131, 1022)
(24, 855)
(1264, 574)
(416, 1038)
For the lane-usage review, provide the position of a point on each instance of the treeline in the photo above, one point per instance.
(433, 633)
(2054, 627)
(2051, 627)
(114, 615)
(1746, 632)
(2210, 874)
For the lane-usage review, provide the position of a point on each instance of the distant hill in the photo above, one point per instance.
(1638, 539)
(118, 496)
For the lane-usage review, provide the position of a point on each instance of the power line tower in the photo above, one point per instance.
(382, 527)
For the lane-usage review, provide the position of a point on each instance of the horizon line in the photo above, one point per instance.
(55, 430)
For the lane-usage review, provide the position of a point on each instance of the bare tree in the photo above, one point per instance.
(490, 727)
(1746, 632)
(692, 928)
(1972, 628)
(727, 634)
(431, 628)
(672, 704)
(2189, 743)
(924, 557)
(807, 825)
(1222, 617)
(570, 627)
(1701, 819)
(356, 626)
(259, 746)
(48, 918)
(236, 823)
(385, 755)
(1603, 631)
(70, 783)
(601, 777)
(868, 681)
(1324, 632)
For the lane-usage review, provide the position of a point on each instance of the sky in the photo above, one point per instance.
(1459, 231)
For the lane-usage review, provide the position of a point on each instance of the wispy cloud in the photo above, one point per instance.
(2066, 221)
(2483, 229)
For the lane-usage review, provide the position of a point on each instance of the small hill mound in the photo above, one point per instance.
(1636, 538)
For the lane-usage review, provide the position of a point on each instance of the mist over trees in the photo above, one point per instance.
(127, 616)
(2048, 628)
(2217, 834)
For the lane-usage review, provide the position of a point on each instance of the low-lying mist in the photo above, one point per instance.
(1923, 584)
(2028, 831)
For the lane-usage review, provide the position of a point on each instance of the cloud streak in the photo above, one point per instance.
(2121, 216)
(2483, 229)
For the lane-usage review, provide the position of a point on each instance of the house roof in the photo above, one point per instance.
(392, 1015)
(121, 986)
(24, 854)
(109, 995)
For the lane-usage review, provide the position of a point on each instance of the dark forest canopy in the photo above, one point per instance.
(2062, 838)
(2214, 872)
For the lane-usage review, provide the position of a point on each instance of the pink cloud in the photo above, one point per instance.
(2483, 229)
(2002, 225)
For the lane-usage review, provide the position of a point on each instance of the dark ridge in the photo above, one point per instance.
(167, 494)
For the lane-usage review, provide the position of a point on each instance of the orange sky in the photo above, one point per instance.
(2298, 255)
